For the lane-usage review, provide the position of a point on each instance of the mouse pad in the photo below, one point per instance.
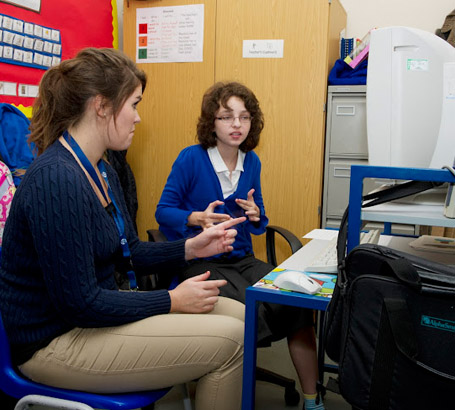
(326, 280)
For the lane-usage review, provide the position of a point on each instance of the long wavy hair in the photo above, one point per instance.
(65, 90)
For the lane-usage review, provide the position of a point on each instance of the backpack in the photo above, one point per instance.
(15, 151)
(390, 325)
(7, 190)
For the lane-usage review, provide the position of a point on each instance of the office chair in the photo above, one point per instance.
(154, 281)
(16, 385)
(291, 395)
(36, 400)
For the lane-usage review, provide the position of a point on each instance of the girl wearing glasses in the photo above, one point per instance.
(68, 231)
(217, 180)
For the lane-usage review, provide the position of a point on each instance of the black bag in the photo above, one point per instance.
(391, 327)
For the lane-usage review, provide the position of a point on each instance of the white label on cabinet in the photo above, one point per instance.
(263, 48)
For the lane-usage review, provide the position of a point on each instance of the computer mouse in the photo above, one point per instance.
(297, 282)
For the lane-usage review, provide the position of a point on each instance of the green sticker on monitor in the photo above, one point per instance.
(417, 64)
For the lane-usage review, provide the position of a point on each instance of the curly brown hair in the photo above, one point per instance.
(65, 90)
(217, 96)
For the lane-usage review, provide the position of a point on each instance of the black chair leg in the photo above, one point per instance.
(291, 395)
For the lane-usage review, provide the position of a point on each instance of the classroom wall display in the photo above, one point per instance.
(28, 44)
(34, 5)
(36, 36)
(170, 34)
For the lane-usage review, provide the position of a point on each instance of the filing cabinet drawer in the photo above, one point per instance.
(348, 129)
(338, 184)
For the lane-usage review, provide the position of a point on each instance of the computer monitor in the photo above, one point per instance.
(444, 152)
(405, 97)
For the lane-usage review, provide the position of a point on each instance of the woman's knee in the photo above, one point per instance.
(230, 307)
(234, 330)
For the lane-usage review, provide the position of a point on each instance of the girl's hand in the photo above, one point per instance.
(212, 241)
(250, 207)
(207, 218)
(196, 294)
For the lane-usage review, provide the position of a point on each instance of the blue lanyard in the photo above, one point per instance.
(113, 211)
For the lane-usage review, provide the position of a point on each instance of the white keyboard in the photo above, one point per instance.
(326, 260)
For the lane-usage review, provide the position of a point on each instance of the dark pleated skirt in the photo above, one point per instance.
(275, 321)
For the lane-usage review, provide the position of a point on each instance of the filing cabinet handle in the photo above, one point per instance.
(345, 110)
(342, 172)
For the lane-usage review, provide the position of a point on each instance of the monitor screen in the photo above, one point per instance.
(405, 95)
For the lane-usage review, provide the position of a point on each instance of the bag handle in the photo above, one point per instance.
(404, 270)
(341, 248)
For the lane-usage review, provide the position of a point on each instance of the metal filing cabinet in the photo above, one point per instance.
(346, 144)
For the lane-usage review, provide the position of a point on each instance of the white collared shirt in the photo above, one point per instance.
(229, 181)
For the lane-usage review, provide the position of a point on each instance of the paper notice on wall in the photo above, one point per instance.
(170, 34)
(34, 5)
(7, 88)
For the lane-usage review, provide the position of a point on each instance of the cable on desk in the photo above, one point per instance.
(450, 169)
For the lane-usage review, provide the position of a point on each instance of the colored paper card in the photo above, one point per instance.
(170, 34)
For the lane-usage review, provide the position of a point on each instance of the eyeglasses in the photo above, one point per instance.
(229, 119)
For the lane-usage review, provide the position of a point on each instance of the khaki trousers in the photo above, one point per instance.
(152, 353)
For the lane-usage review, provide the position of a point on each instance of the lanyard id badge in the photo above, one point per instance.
(112, 207)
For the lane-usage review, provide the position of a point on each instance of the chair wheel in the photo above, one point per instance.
(291, 397)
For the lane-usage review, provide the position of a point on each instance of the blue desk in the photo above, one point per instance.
(360, 172)
(255, 295)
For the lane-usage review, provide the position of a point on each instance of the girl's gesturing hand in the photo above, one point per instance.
(250, 207)
(207, 218)
(212, 241)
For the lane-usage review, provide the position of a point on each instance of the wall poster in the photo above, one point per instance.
(170, 34)
(37, 34)
(34, 5)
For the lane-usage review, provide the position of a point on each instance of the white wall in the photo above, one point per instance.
(364, 15)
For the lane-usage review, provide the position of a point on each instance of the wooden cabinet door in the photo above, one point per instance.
(169, 110)
(291, 90)
(292, 94)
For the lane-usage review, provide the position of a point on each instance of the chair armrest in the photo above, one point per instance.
(155, 235)
(154, 280)
(291, 239)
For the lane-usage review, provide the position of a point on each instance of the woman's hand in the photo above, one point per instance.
(196, 294)
(250, 207)
(212, 241)
(207, 218)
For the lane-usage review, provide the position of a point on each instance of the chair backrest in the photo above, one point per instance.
(5, 356)
(14, 384)
(7, 189)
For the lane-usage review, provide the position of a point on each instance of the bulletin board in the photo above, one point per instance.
(32, 39)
